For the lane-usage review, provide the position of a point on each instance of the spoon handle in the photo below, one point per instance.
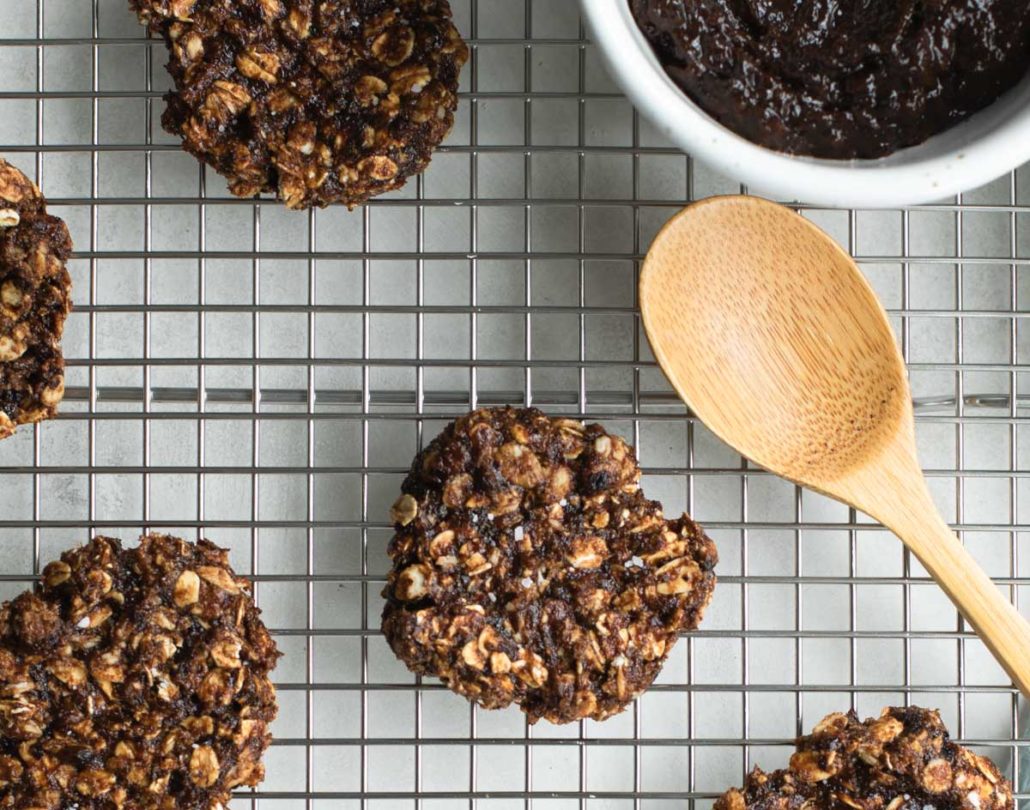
(909, 511)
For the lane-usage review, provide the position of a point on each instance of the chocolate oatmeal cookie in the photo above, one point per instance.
(319, 101)
(529, 568)
(35, 291)
(134, 679)
(903, 760)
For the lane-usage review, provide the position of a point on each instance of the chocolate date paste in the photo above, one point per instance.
(840, 78)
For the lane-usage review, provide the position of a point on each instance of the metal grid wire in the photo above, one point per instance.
(264, 377)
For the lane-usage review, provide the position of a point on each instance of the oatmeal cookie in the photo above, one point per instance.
(35, 291)
(135, 679)
(318, 101)
(903, 760)
(529, 568)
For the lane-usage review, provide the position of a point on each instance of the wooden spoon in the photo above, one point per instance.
(772, 336)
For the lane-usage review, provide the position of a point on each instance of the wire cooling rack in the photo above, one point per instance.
(264, 377)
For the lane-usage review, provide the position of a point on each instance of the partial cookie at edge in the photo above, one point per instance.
(903, 760)
(134, 678)
(35, 291)
(318, 102)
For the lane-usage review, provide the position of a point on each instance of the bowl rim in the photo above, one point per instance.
(935, 170)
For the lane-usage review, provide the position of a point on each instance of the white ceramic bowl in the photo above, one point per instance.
(986, 146)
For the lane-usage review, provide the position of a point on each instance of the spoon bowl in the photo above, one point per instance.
(800, 325)
(770, 333)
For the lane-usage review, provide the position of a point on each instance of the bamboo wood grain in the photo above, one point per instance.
(770, 333)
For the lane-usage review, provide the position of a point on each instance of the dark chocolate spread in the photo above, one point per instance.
(840, 78)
